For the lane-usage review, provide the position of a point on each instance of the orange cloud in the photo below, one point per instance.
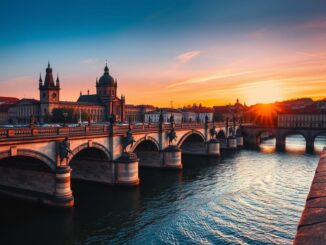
(209, 77)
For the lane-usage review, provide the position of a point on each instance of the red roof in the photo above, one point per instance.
(11, 100)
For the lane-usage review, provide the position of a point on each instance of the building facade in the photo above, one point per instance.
(154, 116)
(136, 113)
(307, 120)
(5, 104)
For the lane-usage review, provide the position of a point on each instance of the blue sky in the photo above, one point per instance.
(154, 45)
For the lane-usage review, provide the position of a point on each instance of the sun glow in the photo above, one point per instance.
(263, 92)
(265, 113)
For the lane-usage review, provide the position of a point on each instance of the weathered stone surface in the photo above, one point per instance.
(319, 179)
(312, 225)
(312, 216)
(312, 234)
(316, 203)
(318, 186)
(321, 168)
(321, 174)
(314, 193)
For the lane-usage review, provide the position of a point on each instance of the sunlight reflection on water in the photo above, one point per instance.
(246, 197)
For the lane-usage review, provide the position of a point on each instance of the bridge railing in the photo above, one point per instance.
(302, 124)
(96, 129)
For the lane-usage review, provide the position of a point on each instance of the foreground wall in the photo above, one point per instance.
(312, 225)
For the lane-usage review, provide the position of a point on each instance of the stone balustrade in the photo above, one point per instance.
(95, 129)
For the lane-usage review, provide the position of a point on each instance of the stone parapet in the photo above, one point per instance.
(312, 225)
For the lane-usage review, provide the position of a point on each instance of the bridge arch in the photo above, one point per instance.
(296, 144)
(264, 134)
(319, 133)
(48, 162)
(188, 134)
(295, 132)
(94, 145)
(143, 140)
(318, 141)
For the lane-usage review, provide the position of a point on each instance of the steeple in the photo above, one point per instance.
(40, 81)
(48, 81)
(57, 81)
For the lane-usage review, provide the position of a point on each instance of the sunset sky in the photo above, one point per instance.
(186, 51)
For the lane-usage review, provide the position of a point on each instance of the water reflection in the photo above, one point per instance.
(247, 197)
(320, 143)
(295, 144)
(268, 145)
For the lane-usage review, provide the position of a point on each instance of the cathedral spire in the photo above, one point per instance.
(58, 81)
(48, 80)
(40, 81)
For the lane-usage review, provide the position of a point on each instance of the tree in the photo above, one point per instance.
(58, 115)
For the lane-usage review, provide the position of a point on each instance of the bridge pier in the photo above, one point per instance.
(310, 146)
(223, 143)
(232, 143)
(239, 141)
(62, 195)
(251, 141)
(126, 169)
(280, 143)
(172, 157)
(213, 147)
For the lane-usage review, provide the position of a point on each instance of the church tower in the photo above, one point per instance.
(49, 92)
(106, 90)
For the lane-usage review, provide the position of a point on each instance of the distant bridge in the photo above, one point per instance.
(253, 134)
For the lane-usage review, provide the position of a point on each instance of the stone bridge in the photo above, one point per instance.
(253, 135)
(31, 168)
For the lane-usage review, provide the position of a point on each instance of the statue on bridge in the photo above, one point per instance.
(172, 135)
(64, 149)
(127, 140)
(213, 132)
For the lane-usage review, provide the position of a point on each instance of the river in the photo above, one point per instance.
(246, 197)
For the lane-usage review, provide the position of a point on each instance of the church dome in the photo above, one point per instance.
(106, 79)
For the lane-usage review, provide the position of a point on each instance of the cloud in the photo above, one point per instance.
(210, 77)
(89, 61)
(187, 56)
(314, 24)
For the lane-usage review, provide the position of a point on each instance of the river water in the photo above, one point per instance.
(246, 197)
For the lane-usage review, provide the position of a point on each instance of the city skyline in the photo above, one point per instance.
(210, 53)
